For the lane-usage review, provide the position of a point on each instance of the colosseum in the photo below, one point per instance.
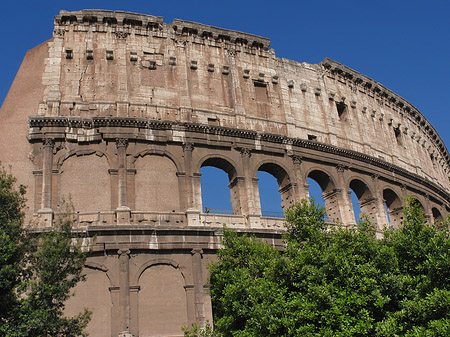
(119, 112)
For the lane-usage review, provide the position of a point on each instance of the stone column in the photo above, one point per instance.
(300, 186)
(245, 159)
(347, 215)
(428, 213)
(192, 209)
(248, 203)
(46, 212)
(123, 211)
(124, 292)
(381, 215)
(197, 274)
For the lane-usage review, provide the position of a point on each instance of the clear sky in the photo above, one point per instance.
(402, 44)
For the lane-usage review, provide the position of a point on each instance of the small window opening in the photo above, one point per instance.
(261, 91)
(312, 137)
(342, 110)
(69, 54)
(213, 121)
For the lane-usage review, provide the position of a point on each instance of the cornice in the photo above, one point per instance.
(142, 22)
(379, 90)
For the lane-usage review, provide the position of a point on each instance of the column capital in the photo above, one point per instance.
(188, 146)
(341, 167)
(197, 251)
(245, 152)
(296, 159)
(122, 252)
(121, 142)
(48, 142)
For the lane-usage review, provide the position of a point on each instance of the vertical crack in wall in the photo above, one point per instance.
(80, 80)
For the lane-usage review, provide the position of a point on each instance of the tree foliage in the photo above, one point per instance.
(37, 271)
(335, 282)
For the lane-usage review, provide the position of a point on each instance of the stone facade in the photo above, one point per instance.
(119, 111)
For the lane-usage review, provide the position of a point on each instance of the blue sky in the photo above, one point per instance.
(404, 45)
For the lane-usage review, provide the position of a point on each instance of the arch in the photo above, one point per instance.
(394, 207)
(62, 156)
(164, 153)
(93, 294)
(437, 215)
(420, 202)
(284, 182)
(157, 186)
(328, 187)
(103, 268)
(366, 200)
(234, 180)
(323, 178)
(215, 186)
(273, 167)
(162, 300)
(135, 279)
(220, 161)
(84, 179)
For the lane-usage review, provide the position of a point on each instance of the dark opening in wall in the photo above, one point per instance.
(312, 137)
(342, 110)
(213, 121)
(261, 92)
(398, 135)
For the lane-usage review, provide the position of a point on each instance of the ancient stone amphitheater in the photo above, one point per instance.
(120, 111)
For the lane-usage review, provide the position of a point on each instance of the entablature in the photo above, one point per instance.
(71, 129)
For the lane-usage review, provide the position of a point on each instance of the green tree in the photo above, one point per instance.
(37, 271)
(335, 282)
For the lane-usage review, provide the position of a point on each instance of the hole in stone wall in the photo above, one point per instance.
(312, 137)
(398, 135)
(342, 110)
(213, 121)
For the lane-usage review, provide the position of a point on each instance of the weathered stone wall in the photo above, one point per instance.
(122, 112)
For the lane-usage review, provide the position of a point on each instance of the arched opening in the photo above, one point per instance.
(284, 188)
(315, 192)
(269, 195)
(364, 203)
(420, 205)
(355, 203)
(437, 215)
(394, 207)
(328, 195)
(215, 191)
(219, 187)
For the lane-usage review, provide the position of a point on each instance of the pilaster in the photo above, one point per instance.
(123, 211)
(124, 292)
(197, 273)
(46, 211)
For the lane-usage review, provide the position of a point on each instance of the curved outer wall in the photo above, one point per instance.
(122, 112)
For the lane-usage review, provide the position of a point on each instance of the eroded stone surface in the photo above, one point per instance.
(119, 111)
